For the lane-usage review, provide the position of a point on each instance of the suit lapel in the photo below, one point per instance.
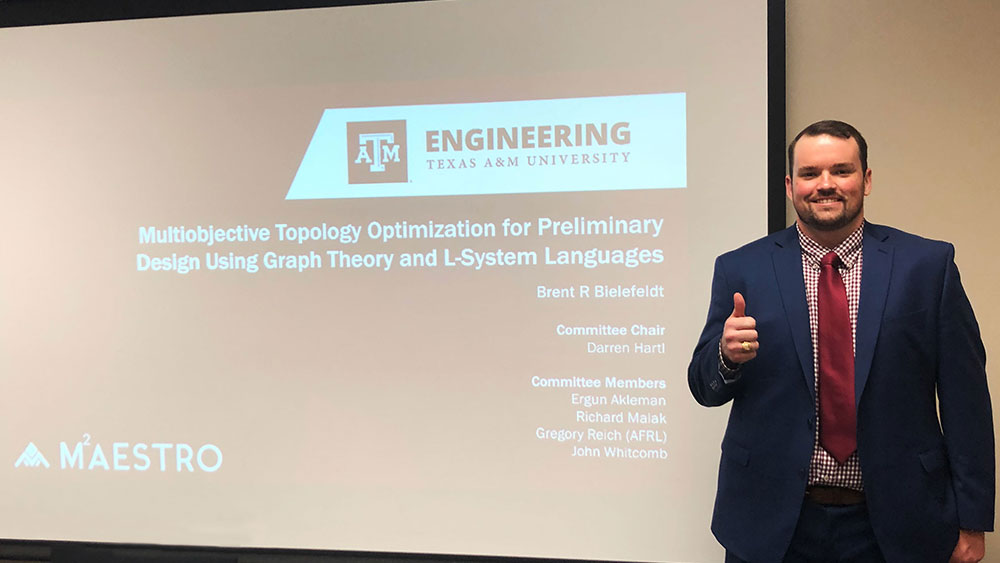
(791, 285)
(875, 272)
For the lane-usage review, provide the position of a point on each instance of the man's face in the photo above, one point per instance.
(827, 185)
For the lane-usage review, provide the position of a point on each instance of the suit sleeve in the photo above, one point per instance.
(964, 402)
(704, 379)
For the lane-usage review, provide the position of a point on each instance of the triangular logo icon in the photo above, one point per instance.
(31, 457)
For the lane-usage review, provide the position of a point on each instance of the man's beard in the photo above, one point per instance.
(807, 217)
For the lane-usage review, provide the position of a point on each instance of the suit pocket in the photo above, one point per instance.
(735, 453)
(938, 474)
(933, 460)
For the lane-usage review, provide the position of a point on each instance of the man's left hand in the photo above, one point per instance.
(971, 547)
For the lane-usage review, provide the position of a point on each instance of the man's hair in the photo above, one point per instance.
(833, 128)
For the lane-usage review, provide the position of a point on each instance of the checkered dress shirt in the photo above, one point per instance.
(824, 470)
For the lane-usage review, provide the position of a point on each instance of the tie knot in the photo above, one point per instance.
(830, 259)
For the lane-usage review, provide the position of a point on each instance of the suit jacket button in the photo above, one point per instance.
(809, 423)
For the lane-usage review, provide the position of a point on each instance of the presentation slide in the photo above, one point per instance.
(415, 278)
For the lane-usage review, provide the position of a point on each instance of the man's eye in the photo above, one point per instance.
(807, 174)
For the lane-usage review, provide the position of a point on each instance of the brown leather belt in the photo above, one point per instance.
(834, 496)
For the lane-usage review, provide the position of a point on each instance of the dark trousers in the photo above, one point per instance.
(830, 534)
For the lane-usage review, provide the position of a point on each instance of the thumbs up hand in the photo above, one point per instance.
(739, 335)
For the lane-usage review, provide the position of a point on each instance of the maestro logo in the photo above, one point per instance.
(31, 457)
(376, 152)
(88, 454)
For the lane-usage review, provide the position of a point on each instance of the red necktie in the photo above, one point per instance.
(837, 418)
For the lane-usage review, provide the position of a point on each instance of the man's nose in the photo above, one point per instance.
(826, 180)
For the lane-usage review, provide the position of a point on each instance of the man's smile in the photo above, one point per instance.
(827, 200)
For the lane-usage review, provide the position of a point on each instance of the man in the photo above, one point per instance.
(838, 342)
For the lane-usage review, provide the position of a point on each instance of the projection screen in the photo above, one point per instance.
(417, 278)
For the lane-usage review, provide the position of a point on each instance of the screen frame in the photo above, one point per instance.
(26, 13)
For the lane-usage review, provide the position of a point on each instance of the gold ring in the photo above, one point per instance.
(746, 346)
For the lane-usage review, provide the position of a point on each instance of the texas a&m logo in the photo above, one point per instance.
(376, 152)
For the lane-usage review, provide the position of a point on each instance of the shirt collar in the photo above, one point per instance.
(848, 251)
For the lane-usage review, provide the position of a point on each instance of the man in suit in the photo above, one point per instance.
(839, 342)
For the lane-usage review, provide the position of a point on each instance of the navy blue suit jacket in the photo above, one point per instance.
(917, 347)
